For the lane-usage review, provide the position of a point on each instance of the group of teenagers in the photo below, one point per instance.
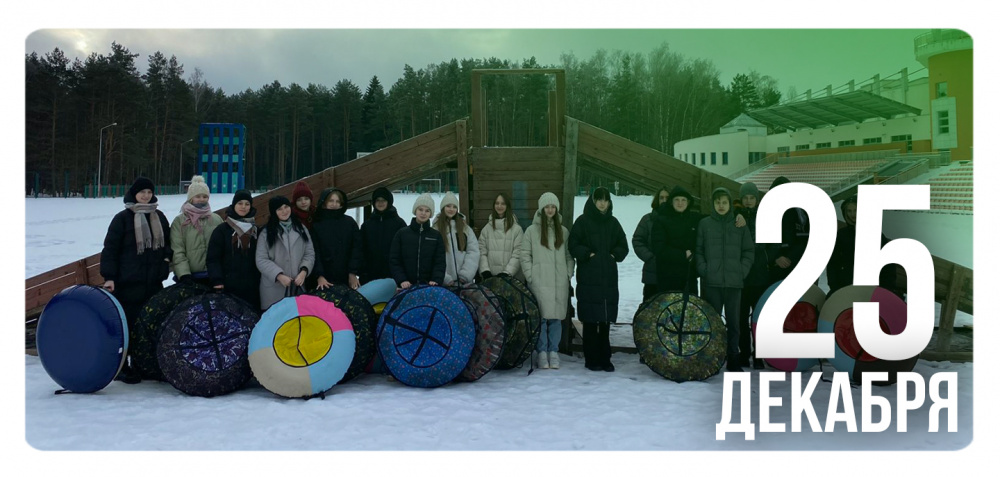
(303, 246)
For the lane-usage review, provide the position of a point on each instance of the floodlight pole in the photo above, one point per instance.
(180, 167)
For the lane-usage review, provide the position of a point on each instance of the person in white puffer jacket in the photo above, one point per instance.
(548, 266)
(500, 242)
(460, 244)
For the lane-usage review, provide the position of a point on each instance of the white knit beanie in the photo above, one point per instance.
(198, 186)
(546, 199)
(449, 198)
(423, 200)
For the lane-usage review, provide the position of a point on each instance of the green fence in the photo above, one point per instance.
(118, 190)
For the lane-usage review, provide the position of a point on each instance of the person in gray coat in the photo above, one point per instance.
(724, 255)
(285, 254)
(642, 243)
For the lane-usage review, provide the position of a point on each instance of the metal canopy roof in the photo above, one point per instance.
(853, 107)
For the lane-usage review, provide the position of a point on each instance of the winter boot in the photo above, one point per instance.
(543, 360)
(733, 364)
(554, 359)
(128, 375)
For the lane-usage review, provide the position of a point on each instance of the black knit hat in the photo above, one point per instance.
(680, 192)
(242, 194)
(276, 202)
(140, 184)
(382, 193)
(778, 181)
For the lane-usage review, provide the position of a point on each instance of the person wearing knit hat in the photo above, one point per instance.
(232, 251)
(547, 266)
(598, 243)
(461, 248)
(136, 257)
(756, 282)
(302, 198)
(377, 232)
(285, 253)
(190, 232)
(642, 243)
(416, 256)
(724, 254)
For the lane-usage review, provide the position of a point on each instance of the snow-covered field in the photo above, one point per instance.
(566, 409)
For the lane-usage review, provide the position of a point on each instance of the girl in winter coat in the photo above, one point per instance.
(598, 244)
(642, 243)
(337, 241)
(190, 232)
(461, 248)
(377, 232)
(417, 255)
(724, 255)
(500, 242)
(547, 267)
(136, 256)
(286, 255)
(302, 197)
(232, 251)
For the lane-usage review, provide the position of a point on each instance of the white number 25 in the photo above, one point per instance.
(869, 257)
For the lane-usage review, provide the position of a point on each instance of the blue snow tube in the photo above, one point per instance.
(82, 338)
(378, 292)
(425, 336)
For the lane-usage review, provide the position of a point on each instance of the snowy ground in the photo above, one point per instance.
(566, 409)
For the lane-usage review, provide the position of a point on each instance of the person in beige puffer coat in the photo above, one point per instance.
(190, 232)
(500, 242)
(460, 244)
(547, 267)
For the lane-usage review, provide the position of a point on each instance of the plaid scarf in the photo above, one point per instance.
(146, 235)
(193, 215)
(244, 230)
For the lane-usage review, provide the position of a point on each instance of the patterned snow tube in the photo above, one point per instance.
(802, 318)
(425, 336)
(681, 341)
(301, 347)
(202, 349)
(363, 319)
(489, 330)
(82, 338)
(837, 317)
(522, 319)
(149, 325)
(378, 292)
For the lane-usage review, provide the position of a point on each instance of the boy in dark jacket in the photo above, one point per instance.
(377, 233)
(757, 281)
(417, 253)
(724, 255)
(786, 255)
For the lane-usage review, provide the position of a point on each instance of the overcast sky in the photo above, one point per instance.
(239, 59)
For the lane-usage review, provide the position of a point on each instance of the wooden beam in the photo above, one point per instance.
(553, 120)
(946, 324)
(476, 113)
(570, 185)
(462, 150)
(561, 106)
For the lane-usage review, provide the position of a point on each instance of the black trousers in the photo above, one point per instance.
(727, 299)
(649, 290)
(748, 304)
(596, 344)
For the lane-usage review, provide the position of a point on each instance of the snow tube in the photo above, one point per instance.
(488, 347)
(837, 317)
(425, 336)
(802, 318)
(149, 325)
(680, 340)
(521, 317)
(363, 319)
(202, 350)
(378, 292)
(82, 338)
(301, 347)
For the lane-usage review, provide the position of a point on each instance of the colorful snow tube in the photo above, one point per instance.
(82, 338)
(521, 317)
(425, 336)
(802, 318)
(363, 319)
(202, 350)
(837, 317)
(301, 347)
(681, 340)
(149, 324)
(490, 333)
(378, 292)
